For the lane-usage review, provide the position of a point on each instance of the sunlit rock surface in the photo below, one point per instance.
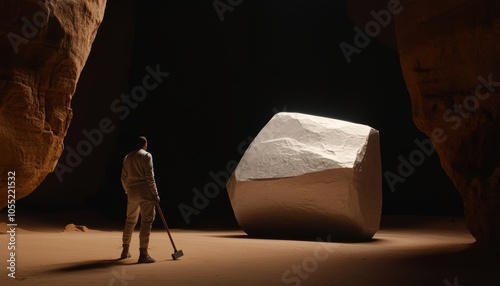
(44, 45)
(306, 176)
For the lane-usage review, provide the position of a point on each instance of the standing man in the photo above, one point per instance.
(138, 181)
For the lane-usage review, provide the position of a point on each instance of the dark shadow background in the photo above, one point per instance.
(227, 79)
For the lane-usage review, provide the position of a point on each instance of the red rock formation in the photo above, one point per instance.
(44, 46)
(450, 60)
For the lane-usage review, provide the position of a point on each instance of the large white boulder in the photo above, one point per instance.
(308, 176)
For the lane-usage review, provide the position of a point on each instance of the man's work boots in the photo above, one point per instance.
(125, 253)
(144, 256)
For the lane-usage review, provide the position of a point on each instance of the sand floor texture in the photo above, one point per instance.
(406, 251)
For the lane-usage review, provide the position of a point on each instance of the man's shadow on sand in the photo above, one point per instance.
(93, 264)
(96, 264)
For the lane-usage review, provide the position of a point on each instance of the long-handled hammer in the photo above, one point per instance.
(177, 253)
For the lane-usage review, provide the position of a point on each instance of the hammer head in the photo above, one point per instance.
(177, 254)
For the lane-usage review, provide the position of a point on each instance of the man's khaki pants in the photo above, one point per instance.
(144, 208)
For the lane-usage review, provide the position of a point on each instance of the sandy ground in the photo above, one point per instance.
(406, 251)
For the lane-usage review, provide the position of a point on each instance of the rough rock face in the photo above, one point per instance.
(306, 176)
(44, 45)
(450, 60)
(75, 228)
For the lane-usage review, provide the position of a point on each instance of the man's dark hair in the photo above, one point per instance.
(141, 141)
